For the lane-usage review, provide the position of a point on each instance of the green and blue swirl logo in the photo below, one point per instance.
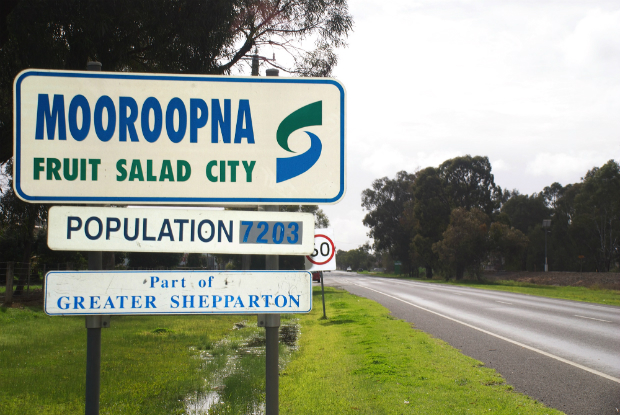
(290, 167)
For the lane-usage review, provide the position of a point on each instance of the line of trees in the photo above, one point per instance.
(362, 257)
(456, 220)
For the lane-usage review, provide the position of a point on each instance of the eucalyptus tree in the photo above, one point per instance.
(468, 183)
(175, 36)
(430, 209)
(462, 182)
(597, 215)
(385, 203)
(465, 242)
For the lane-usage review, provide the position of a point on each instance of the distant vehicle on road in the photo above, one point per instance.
(349, 269)
(316, 276)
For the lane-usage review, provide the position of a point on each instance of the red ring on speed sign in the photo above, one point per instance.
(330, 257)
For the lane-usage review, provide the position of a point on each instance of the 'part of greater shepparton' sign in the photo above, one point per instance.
(177, 292)
(80, 228)
(95, 137)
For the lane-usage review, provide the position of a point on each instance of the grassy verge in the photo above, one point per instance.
(362, 361)
(359, 360)
(587, 294)
(149, 364)
(234, 369)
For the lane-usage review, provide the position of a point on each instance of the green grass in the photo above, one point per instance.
(235, 367)
(587, 294)
(590, 295)
(359, 360)
(363, 361)
(149, 364)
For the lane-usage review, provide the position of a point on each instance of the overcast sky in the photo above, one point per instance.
(533, 85)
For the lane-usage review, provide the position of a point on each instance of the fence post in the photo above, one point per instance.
(8, 295)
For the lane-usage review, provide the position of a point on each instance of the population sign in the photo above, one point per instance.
(97, 137)
(82, 228)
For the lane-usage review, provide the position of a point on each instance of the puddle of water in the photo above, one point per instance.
(200, 405)
(233, 360)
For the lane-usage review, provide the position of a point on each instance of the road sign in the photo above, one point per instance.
(95, 137)
(323, 257)
(177, 292)
(78, 228)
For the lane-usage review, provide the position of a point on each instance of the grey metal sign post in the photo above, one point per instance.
(272, 329)
(93, 328)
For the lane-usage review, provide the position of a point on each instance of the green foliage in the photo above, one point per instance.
(526, 212)
(468, 183)
(292, 262)
(18, 221)
(46, 256)
(195, 260)
(465, 243)
(153, 260)
(429, 215)
(385, 203)
(361, 257)
(597, 219)
(175, 36)
(409, 218)
(409, 214)
(506, 245)
(321, 221)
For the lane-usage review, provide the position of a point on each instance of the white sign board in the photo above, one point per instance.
(177, 292)
(97, 137)
(78, 228)
(323, 257)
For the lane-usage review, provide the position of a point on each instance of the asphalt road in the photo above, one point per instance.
(565, 354)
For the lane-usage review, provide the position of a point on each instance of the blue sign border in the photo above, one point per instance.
(175, 313)
(169, 77)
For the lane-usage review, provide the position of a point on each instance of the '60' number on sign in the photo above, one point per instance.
(323, 250)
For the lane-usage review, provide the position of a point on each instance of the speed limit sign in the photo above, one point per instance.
(323, 257)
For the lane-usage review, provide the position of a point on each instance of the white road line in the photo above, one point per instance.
(503, 302)
(561, 359)
(592, 318)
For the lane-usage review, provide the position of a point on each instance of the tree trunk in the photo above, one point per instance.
(107, 259)
(460, 271)
(429, 272)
